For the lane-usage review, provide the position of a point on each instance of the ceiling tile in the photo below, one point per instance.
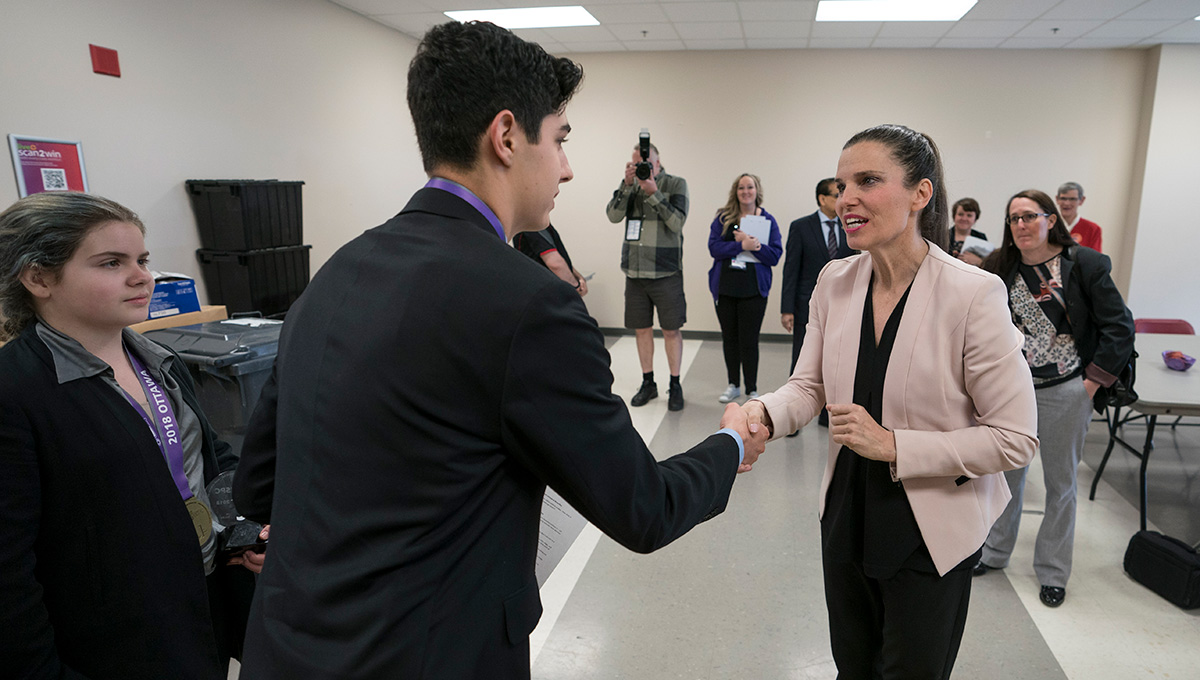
(653, 45)
(386, 6)
(778, 11)
(1164, 9)
(412, 24)
(1034, 43)
(715, 44)
(709, 31)
(536, 35)
(970, 43)
(572, 34)
(1009, 9)
(1090, 9)
(1066, 29)
(594, 46)
(1188, 31)
(776, 43)
(777, 29)
(985, 29)
(915, 29)
(903, 43)
(633, 32)
(701, 11)
(627, 14)
(1130, 29)
(1102, 43)
(845, 29)
(839, 43)
(448, 5)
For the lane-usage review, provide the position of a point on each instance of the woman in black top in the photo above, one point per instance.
(108, 561)
(965, 213)
(1078, 336)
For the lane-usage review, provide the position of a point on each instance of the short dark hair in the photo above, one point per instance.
(823, 188)
(1003, 259)
(967, 204)
(44, 231)
(919, 156)
(464, 74)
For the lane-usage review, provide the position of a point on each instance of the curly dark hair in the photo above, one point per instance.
(465, 73)
(44, 231)
(919, 156)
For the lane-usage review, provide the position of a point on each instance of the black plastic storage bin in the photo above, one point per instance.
(230, 362)
(246, 214)
(266, 281)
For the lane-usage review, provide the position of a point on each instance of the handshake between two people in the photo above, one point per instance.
(849, 425)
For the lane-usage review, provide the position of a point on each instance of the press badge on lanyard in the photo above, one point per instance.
(633, 230)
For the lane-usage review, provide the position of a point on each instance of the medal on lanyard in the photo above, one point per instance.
(165, 428)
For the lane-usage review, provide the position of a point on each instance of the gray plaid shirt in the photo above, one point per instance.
(659, 251)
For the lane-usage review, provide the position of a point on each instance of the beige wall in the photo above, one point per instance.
(1164, 281)
(1005, 121)
(285, 89)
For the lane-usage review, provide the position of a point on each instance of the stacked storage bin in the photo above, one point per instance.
(250, 253)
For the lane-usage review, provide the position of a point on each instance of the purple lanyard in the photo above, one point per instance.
(466, 195)
(167, 428)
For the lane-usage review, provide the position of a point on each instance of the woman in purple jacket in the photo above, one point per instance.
(740, 286)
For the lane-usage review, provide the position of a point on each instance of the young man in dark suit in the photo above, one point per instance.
(430, 384)
(812, 242)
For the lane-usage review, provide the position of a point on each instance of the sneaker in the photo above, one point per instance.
(645, 393)
(675, 398)
(1052, 596)
(732, 392)
(753, 395)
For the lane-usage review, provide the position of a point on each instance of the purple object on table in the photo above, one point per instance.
(1177, 361)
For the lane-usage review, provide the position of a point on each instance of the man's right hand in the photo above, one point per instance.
(754, 435)
(630, 177)
(788, 321)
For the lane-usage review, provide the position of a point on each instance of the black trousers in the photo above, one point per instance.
(741, 320)
(905, 627)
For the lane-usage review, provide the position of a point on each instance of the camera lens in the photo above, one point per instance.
(642, 170)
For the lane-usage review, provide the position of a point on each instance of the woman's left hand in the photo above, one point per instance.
(250, 559)
(851, 426)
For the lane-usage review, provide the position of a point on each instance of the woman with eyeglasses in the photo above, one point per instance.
(929, 401)
(739, 286)
(109, 566)
(1078, 336)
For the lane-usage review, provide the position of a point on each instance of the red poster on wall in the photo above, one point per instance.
(47, 165)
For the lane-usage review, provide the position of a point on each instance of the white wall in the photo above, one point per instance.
(245, 89)
(1005, 121)
(1164, 281)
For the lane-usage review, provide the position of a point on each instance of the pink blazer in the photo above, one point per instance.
(958, 393)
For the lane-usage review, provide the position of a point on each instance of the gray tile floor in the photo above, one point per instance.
(741, 595)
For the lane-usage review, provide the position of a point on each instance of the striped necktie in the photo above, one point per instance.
(833, 242)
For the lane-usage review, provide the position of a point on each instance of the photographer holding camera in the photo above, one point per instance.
(653, 205)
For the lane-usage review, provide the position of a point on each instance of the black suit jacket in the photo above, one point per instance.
(806, 254)
(100, 572)
(431, 381)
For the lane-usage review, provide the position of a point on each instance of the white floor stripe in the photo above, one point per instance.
(646, 419)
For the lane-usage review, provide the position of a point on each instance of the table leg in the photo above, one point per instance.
(1150, 421)
(1111, 419)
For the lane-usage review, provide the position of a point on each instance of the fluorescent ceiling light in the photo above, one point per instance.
(529, 17)
(893, 10)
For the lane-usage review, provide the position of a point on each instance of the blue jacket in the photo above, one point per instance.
(724, 248)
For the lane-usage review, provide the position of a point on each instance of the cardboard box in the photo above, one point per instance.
(173, 294)
(206, 313)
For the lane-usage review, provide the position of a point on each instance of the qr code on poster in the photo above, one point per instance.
(54, 179)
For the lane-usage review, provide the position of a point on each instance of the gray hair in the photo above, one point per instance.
(1070, 186)
(44, 231)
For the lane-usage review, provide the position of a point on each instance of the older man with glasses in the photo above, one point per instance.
(1085, 232)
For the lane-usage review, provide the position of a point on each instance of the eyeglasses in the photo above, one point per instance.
(1027, 218)
(1068, 199)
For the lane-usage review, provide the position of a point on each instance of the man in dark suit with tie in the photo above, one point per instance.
(430, 383)
(812, 242)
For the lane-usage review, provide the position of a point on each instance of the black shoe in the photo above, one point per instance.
(645, 393)
(795, 434)
(675, 398)
(1052, 596)
(980, 569)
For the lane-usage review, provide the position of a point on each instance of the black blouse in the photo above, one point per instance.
(867, 517)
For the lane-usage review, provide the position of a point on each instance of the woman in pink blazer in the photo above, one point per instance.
(930, 401)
